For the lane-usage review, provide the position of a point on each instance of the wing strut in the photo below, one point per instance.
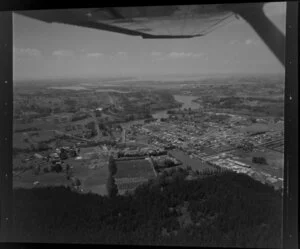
(267, 31)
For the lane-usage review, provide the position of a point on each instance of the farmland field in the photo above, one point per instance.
(261, 127)
(129, 183)
(274, 159)
(27, 179)
(92, 172)
(37, 124)
(134, 168)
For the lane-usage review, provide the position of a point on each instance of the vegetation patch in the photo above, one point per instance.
(221, 209)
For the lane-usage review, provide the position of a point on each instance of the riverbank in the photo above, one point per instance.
(194, 163)
(187, 102)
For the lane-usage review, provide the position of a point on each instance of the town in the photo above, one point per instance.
(178, 131)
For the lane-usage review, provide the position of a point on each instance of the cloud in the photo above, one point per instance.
(160, 58)
(122, 53)
(230, 62)
(184, 55)
(197, 55)
(205, 57)
(32, 52)
(179, 54)
(154, 53)
(94, 55)
(232, 42)
(251, 42)
(118, 56)
(63, 53)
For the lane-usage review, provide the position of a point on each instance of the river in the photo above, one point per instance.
(195, 163)
(185, 99)
(187, 103)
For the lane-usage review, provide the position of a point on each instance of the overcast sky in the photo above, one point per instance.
(43, 50)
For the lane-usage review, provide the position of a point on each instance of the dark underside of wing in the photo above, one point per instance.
(148, 22)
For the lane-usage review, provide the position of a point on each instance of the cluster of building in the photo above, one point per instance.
(193, 139)
(224, 160)
(202, 139)
(228, 162)
(55, 160)
(211, 142)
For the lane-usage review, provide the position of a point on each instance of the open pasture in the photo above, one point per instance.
(134, 168)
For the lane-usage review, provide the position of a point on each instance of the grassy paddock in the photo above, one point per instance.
(134, 168)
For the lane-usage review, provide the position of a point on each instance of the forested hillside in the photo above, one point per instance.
(221, 209)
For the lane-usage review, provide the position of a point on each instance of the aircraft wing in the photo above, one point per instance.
(168, 22)
(159, 22)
